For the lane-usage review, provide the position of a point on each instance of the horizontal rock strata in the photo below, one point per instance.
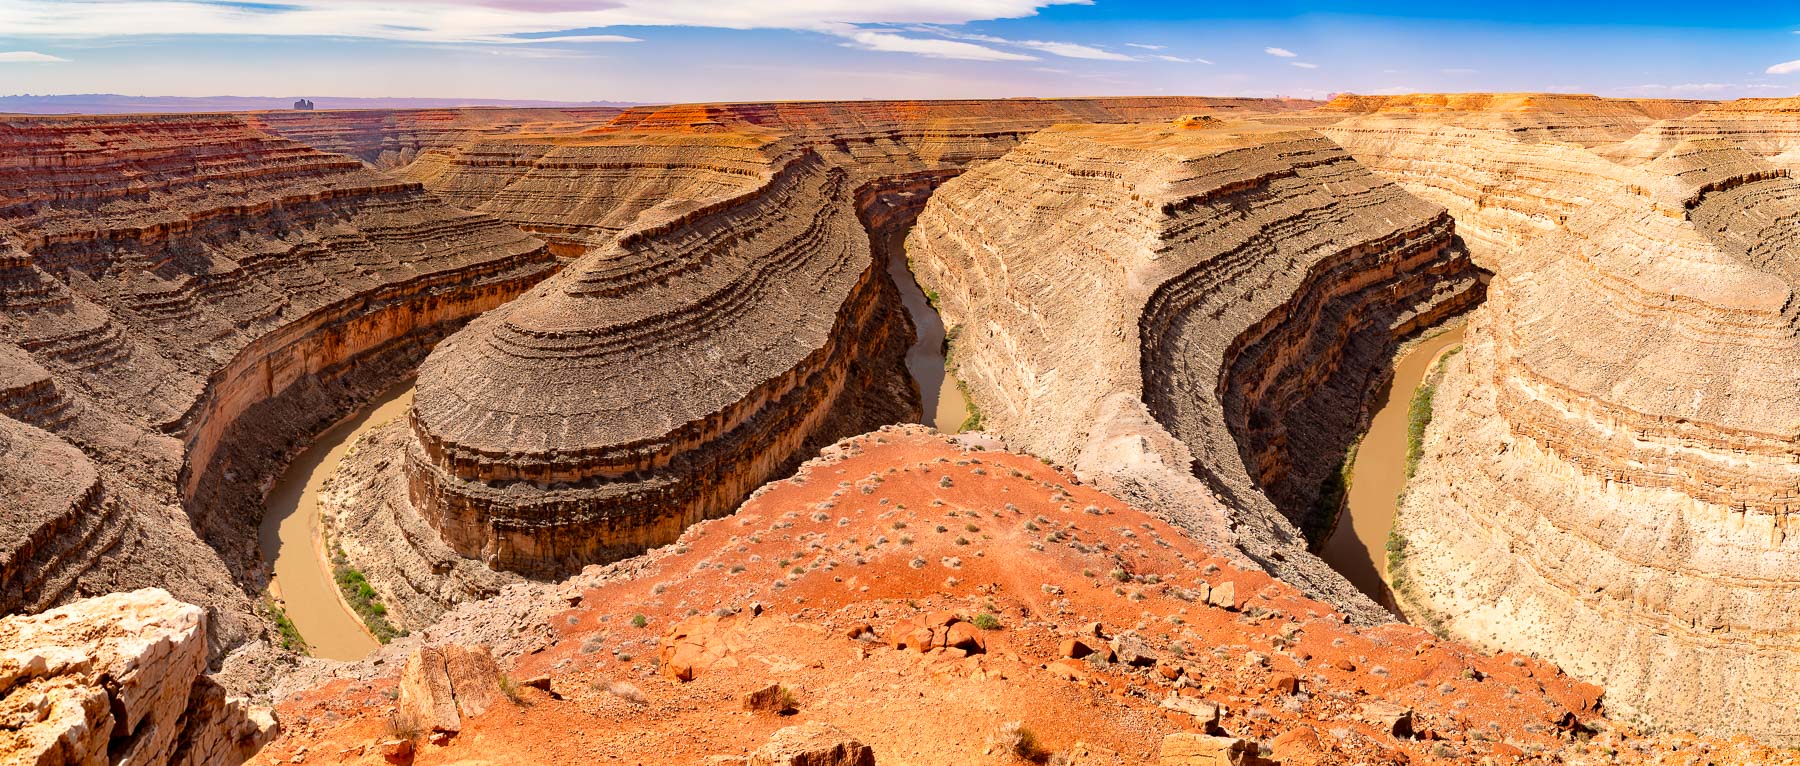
(1216, 298)
(1611, 471)
(117, 679)
(1765, 127)
(393, 138)
(723, 316)
(184, 297)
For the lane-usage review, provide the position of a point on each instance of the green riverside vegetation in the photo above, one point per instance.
(362, 598)
(1418, 418)
(286, 635)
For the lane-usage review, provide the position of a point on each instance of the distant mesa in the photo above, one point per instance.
(303, 105)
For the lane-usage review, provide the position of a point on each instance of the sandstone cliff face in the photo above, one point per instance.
(394, 138)
(183, 297)
(117, 679)
(1609, 478)
(1765, 127)
(1154, 304)
(653, 384)
(725, 314)
(1507, 175)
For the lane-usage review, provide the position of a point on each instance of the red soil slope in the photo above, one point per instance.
(903, 528)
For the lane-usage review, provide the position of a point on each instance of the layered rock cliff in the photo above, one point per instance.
(394, 138)
(725, 314)
(183, 298)
(1188, 310)
(117, 679)
(1610, 474)
(1765, 127)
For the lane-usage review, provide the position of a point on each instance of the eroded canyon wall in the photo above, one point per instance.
(162, 277)
(393, 138)
(725, 314)
(1608, 477)
(1193, 310)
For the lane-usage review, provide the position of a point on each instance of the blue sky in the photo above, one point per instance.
(690, 50)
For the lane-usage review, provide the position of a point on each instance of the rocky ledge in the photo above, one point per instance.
(117, 679)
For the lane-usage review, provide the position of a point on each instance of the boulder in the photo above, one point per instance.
(1389, 718)
(1202, 750)
(813, 744)
(442, 685)
(118, 679)
(773, 698)
(1223, 595)
(1206, 714)
(697, 644)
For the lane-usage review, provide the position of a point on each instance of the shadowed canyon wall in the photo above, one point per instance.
(724, 318)
(164, 277)
(1194, 312)
(1608, 479)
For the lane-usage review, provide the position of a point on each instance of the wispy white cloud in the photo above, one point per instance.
(28, 57)
(1146, 46)
(479, 21)
(1458, 70)
(1303, 65)
(1179, 59)
(1052, 47)
(1281, 53)
(1786, 67)
(929, 47)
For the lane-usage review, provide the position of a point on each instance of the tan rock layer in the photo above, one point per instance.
(1147, 301)
(1612, 466)
(665, 374)
(117, 679)
(164, 278)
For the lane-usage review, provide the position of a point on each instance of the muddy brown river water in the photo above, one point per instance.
(291, 536)
(1357, 548)
(945, 408)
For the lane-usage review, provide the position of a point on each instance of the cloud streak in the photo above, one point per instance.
(1786, 67)
(479, 21)
(28, 57)
(1280, 53)
(929, 47)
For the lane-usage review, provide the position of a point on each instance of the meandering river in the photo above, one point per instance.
(1357, 548)
(945, 408)
(291, 536)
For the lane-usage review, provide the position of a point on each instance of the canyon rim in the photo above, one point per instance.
(867, 429)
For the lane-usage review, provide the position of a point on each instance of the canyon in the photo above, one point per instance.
(628, 331)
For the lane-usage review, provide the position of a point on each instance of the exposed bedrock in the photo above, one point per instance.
(581, 192)
(1610, 475)
(184, 299)
(723, 318)
(117, 679)
(1765, 127)
(1510, 169)
(392, 138)
(1193, 312)
(656, 384)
